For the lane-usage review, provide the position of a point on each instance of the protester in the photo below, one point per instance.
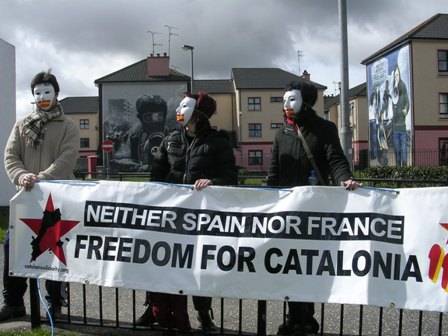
(306, 151)
(199, 155)
(42, 146)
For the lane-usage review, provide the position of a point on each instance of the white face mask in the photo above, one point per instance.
(44, 96)
(185, 110)
(292, 102)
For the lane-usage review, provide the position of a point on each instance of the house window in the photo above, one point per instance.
(276, 125)
(255, 158)
(443, 151)
(443, 103)
(255, 130)
(254, 103)
(84, 143)
(84, 123)
(442, 58)
(276, 99)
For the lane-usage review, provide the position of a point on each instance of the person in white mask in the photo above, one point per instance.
(306, 151)
(42, 146)
(199, 155)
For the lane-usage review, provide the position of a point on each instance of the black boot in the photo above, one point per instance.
(55, 312)
(205, 321)
(11, 312)
(147, 318)
(311, 326)
(289, 328)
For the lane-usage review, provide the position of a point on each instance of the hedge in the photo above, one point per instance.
(421, 176)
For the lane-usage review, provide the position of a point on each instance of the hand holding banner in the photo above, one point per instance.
(316, 244)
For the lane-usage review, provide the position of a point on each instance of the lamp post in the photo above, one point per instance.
(191, 48)
(346, 133)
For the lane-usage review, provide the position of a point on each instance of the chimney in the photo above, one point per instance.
(158, 66)
(306, 75)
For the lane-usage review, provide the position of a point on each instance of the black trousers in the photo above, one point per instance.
(14, 288)
(202, 303)
(301, 312)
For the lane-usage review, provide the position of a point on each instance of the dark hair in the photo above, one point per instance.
(147, 103)
(205, 108)
(308, 91)
(204, 103)
(45, 77)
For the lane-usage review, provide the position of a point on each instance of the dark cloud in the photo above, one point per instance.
(83, 40)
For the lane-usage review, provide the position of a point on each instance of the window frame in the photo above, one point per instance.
(254, 104)
(276, 99)
(275, 125)
(443, 60)
(84, 123)
(253, 159)
(443, 159)
(443, 115)
(254, 131)
(82, 144)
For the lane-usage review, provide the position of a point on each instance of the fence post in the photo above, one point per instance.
(261, 318)
(34, 304)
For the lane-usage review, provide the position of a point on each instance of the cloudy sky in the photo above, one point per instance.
(82, 40)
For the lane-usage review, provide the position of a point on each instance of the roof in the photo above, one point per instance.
(435, 28)
(75, 105)
(266, 78)
(6, 42)
(356, 91)
(137, 73)
(214, 86)
(329, 101)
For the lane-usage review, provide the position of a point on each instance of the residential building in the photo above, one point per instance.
(137, 107)
(259, 103)
(249, 107)
(418, 59)
(84, 111)
(222, 91)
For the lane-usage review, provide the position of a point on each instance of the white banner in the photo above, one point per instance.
(317, 244)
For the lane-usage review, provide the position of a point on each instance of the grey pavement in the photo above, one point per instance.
(229, 316)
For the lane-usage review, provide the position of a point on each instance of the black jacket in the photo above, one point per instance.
(184, 160)
(290, 165)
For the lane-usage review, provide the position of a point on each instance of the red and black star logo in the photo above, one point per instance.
(50, 229)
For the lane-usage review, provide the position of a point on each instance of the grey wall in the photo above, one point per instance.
(7, 112)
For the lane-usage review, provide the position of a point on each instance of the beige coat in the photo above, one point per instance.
(55, 158)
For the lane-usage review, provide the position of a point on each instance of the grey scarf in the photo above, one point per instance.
(34, 124)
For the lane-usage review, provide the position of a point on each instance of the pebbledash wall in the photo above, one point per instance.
(430, 126)
(8, 110)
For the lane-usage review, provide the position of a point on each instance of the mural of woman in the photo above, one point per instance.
(384, 124)
(400, 105)
(374, 104)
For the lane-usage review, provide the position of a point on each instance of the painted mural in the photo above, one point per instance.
(390, 109)
(136, 118)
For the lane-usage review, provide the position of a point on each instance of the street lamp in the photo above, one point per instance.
(189, 47)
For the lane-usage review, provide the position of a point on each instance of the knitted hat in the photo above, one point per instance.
(205, 103)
